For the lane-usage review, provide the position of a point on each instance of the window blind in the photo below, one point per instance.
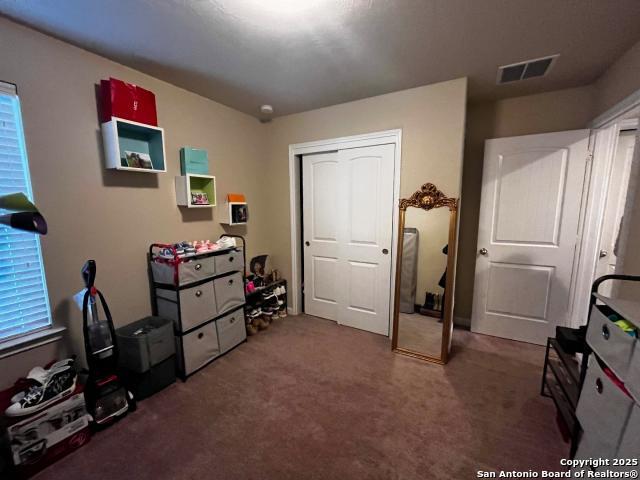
(24, 303)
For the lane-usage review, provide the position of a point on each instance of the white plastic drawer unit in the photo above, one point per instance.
(188, 307)
(197, 348)
(611, 343)
(229, 292)
(231, 330)
(603, 410)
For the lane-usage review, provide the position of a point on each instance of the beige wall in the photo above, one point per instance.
(432, 122)
(547, 112)
(620, 80)
(113, 216)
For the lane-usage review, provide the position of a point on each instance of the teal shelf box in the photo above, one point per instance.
(194, 160)
(133, 146)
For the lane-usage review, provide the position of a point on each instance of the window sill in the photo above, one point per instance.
(31, 341)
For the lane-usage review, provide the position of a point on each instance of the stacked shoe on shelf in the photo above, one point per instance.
(273, 305)
(264, 311)
(254, 321)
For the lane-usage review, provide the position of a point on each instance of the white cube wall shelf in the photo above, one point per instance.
(234, 213)
(195, 183)
(120, 135)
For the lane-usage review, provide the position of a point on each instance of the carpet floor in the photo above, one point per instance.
(308, 399)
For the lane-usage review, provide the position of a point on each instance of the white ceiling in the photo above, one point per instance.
(314, 53)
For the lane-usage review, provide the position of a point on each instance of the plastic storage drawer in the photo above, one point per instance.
(145, 343)
(229, 292)
(231, 330)
(159, 376)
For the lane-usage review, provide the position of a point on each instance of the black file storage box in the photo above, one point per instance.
(147, 355)
(159, 376)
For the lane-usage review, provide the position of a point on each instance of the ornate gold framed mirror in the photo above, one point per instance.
(425, 275)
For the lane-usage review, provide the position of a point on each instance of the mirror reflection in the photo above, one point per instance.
(423, 277)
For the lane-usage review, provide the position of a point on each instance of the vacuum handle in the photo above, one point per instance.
(89, 273)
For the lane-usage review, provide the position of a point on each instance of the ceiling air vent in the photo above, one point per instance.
(515, 72)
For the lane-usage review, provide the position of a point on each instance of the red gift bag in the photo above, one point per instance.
(128, 101)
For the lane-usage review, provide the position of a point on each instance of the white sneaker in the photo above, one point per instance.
(56, 384)
(39, 375)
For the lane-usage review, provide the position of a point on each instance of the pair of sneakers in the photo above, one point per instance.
(226, 242)
(48, 386)
(280, 291)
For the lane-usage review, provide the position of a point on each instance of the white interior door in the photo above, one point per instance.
(320, 196)
(529, 215)
(347, 232)
(614, 209)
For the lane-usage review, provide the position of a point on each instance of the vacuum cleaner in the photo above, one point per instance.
(107, 398)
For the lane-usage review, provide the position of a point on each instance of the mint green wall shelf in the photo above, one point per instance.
(194, 183)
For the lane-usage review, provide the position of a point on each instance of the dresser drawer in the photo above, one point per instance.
(189, 271)
(603, 409)
(196, 305)
(231, 330)
(229, 262)
(614, 346)
(633, 375)
(630, 443)
(229, 292)
(196, 269)
(591, 446)
(197, 348)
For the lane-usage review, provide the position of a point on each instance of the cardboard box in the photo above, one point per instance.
(42, 438)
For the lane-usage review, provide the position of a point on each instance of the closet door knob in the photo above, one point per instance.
(385, 251)
(198, 266)
(307, 243)
(198, 293)
(483, 251)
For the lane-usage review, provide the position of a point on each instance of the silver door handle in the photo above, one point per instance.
(483, 251)
(603, 253)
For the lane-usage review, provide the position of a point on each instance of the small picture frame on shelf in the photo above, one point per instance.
(138, 160)
(199, 198)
